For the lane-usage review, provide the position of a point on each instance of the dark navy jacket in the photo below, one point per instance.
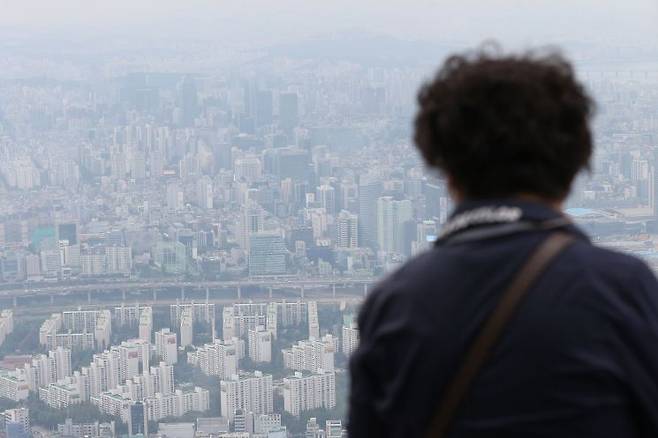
(578, 359)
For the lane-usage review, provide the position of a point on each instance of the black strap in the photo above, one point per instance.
(485, 341)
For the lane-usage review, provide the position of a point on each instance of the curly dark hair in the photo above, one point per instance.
(504, 125)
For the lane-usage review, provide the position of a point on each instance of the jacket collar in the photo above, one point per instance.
(472, 214)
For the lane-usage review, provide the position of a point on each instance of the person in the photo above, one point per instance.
(579, 356)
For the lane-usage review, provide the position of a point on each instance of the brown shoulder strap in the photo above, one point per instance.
(489, 334)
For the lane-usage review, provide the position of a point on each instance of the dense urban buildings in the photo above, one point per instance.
(188, 226)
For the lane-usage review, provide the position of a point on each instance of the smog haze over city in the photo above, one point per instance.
(196, 196)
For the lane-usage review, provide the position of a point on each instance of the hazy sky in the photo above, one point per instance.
(513, 22)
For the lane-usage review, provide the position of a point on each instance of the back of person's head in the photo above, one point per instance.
(505, 125)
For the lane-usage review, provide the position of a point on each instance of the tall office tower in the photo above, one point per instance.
(204, 193)
(326, 198)
(370, 189)
(348, 196)
(347, 230)
(263, 108)
(313, 321)
(391, 217)
(186, 328)
(68, 232)
(169, 256)
(118, 259)
(304, 392)
(249, 392)
(291, 162)
(248, 168)
(188, 101)
(166, 346)
(260, 344)
(288, 112)
(267, 254)
(252, 219)
(174, 197)
(138, 422)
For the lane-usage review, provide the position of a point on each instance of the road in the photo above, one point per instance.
(33, 289)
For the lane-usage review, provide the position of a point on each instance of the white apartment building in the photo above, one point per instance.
(186, 328)
(129, 315)
(20, 416)
(311, 355)
(216, 359)
(291, 313)
(201, 312)
(46, 369)
(313, 321)
(239, 318)
(260, 344)
(103, 329)
(146, 324)
(177, 404)
(350, 338)
(13, 385)
(249, 392)
(166, 346)
(6, 324)
(311, 391)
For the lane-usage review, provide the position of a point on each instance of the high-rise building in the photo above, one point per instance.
(304, 392)
(118, 259)
(146, 324)
(170, 257)
(252, 218)
(370, 189)
(138, 423)
(186, 328)
(175, 200)
(313, 321)
(68, 232)
(288, 112)
(267, 254)
(166, 346)
(263, 108)
(350, 338)
(17, 423)
(260, 344)
(187, 100)
(249, 392)
(311, 355)
(204, 193)
(218, 358)
(326, 198)
(347, 230)
(391, 218)
(201, 312)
